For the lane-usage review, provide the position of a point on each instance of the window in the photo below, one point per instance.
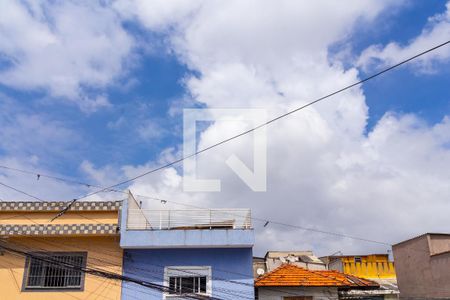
(187, 285)
(358, 259)
(46, 271)
(188, 280)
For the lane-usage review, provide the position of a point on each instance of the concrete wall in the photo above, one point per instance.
(204, 238)
(439, 243)
(102, 252)
(419, 274)
(227, 264)
(277, 293)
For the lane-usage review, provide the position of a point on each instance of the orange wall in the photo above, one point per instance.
(102, 252)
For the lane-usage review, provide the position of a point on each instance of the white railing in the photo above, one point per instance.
(149, 219)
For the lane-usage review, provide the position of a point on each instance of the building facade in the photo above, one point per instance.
(372, 266)
(30, 244)
(375, 267)
(207, 253)
(423, 266)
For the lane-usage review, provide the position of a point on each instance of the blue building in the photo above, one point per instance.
(206, 252)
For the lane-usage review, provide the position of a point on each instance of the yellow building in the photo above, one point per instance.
(86, 235)
(373, 266)
(376, 267)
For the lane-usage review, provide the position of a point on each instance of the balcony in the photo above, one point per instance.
(213, 219)
(190, 228)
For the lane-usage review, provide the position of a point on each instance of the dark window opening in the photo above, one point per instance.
(187, 285)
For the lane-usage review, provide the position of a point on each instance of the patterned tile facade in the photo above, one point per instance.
(58, 229)
(58, 206)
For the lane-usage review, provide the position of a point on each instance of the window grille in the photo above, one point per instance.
(47, 271)
(187, 285)
(184, 280)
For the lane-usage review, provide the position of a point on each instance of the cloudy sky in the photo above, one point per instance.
(95, 92)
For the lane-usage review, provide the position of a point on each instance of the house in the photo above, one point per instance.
(423, 266)
(375, 267)
(202, 252)
(30, 244)
(304, 259)
(274, 259)
(291, 282)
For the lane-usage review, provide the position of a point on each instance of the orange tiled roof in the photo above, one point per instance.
(291, 275)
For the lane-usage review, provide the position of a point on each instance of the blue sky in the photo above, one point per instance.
(102, 100)
(156, 80)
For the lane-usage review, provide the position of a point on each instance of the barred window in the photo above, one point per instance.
(57, 270)
(183, 280)
(187, 285)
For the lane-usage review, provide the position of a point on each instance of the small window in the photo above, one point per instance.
(46, 271)
(358, 260)
(188, 280)
(187, 285)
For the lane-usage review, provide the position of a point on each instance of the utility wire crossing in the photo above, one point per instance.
(259, 126)
(94, 271)
(266, 221)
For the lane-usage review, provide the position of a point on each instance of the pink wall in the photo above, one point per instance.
(419, 273)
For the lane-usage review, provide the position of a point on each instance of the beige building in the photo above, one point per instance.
(274, 259)
(86, 236)
(423, 266)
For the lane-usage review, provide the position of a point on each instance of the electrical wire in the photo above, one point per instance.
(357, 83)
(20, 191)
(154, 272)
(263, 220)
(146, 272)
(93, 271)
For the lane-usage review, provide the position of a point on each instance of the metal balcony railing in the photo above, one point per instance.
(149, 219)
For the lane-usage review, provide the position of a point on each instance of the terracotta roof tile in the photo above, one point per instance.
(291, 275)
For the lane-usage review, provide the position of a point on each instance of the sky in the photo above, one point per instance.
(94, 91)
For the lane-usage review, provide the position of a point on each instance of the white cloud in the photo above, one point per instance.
(323, 171)
(436, 32)
(27, 133)
(63, 48)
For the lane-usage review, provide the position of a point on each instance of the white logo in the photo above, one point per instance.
(255, 179)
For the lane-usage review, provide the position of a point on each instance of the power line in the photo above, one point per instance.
(284, 224)
(266, 222)
(147, 271)
(20, 191)
(259, 126)
(152, 274)
(263, 220)
(165, 200)
(270, 221)
(94, 271)
(39, 175)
